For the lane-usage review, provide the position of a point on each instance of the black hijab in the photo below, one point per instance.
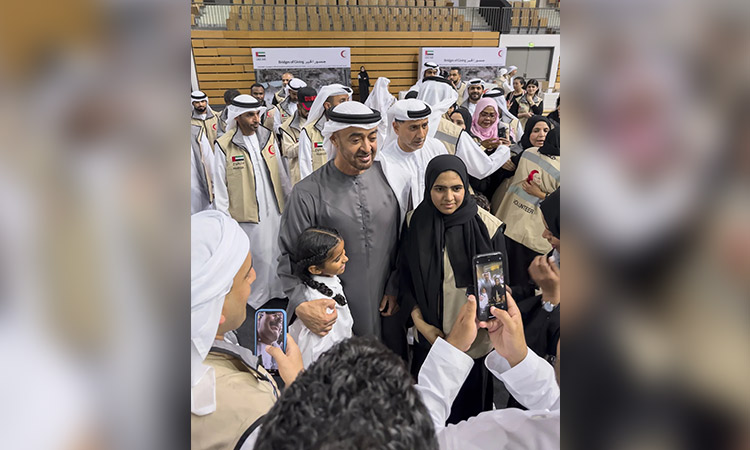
(551, 145)
(550, 207)
(462, 234)
(533, 120)
(467, 118)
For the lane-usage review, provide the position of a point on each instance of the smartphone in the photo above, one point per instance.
(270, 331)
(503, 133)
(489, 283)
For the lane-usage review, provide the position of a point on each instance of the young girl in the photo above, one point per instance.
(319, 258)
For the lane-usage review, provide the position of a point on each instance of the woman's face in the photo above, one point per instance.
(539, 133)
(447, 192)
(531, 89)
(487, 117)
(458, 119)
(517, 85)
(361, 68)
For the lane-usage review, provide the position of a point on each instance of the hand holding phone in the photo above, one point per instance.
(489, 284)
(270, 331)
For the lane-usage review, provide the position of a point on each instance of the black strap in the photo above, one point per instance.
(420, 114)
(354, 118)
(248, 432)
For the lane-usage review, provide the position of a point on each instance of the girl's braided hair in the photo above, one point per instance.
(313, 248)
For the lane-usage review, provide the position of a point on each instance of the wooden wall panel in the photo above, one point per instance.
(223, 58)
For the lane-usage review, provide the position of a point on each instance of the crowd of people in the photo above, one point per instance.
(361, 221)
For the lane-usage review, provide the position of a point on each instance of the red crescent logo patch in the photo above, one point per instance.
(270, 150)
(500, 53)
(214, 127)
(531, 175)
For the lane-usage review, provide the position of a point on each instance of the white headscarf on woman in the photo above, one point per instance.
(355, 111)
(316, 110)
(241, 104)
(381, 99)
(218, 249)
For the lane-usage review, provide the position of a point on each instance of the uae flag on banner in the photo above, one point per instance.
(429, 52)
(260, 54)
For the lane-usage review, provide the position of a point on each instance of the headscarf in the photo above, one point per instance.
(240, 105)
(551, 145)
(380, 99)
(505, 115)
(404, 110)
(533, 120)
(467, 118)
(476, 129)
(462, 234)
(317, 109)
(345, 115)
(218, 249)
(198, 96)
(440, 94)
(550, 207)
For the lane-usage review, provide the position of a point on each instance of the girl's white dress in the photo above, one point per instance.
(310, 344)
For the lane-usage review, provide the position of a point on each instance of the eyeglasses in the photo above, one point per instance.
(489, 115)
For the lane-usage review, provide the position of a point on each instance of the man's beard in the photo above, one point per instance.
(200, 110)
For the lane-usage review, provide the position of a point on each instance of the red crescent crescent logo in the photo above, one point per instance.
(531, 175)
(214, 127)
(342, 53)
(270, 150)
(500, 53)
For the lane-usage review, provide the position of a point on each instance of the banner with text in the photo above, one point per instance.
(474, 62)
(298, 58)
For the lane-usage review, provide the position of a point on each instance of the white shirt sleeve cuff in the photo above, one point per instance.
(522, 371)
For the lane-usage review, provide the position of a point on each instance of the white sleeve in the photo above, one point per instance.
(277, 122)
(221, 195)
(249, 443)
(440, 378)
(532, 382)
(305, 155)
(478, 163)
(504, 429)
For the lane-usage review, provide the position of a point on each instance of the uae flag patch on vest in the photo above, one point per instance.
(317, 145)
(238, 158)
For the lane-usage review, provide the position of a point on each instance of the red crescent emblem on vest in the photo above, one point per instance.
(531, 175)
(270, 150)
(214, 127)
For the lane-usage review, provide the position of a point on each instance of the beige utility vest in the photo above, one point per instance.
(210, 125)
(461, 89)
(448, 133)
(520, 210)
(243, 201)
(524, 106)
(243, 395)
(290, 131)
(454, 298)
(195, 144)
(315, 133)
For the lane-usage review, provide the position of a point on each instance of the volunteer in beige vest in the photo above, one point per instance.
(530, 103)
(290, 131)
(250, 185)
(203, 116)
(281, 94)
(312, 155)
(443, 235)
(201, 179)
(537, 175)
(455, 77)
(229, 391)
(286, 109)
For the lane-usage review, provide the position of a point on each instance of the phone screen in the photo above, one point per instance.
(270, 331)
(490, 284)
(503, 132)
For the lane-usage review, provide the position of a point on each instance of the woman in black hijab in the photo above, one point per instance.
(439, 240)
(364, 84)
(534, 133)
